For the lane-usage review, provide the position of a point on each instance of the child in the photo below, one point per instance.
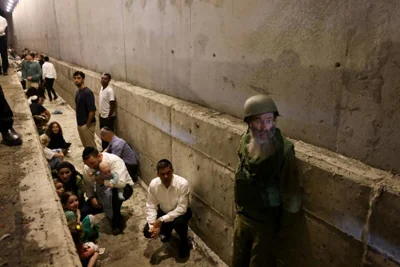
(59, 187)
(55, 133)
(70, 204)
(54, 156)
(106, 173)
(88, 252)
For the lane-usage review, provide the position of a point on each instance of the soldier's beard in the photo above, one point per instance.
(261, 147)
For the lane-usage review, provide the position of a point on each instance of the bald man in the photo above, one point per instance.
(122, 149)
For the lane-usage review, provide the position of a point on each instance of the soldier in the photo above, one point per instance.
(266, 181)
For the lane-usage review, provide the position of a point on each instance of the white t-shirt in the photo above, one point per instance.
(3, 26)
(106, 95)
(48, 71)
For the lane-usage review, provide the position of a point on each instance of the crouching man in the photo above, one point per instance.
(101, 196)
(167, 207)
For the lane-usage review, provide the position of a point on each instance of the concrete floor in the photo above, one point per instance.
(130, 248)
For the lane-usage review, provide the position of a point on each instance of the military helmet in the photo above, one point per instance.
(259, 104)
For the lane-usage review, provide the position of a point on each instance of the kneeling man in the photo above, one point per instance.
(167, 206)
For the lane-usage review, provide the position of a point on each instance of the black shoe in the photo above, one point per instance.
(11, 138)
(184, 249)
(55, 98)
(116, 231)
(5, 73)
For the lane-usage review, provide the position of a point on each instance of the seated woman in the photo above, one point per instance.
(55, 133)
(72, 180)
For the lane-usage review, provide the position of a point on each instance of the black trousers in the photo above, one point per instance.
(180, 224)
(6, 114)
(3, 52)
(132, 170)
(50, 89)
(109, 122)
(117, 220)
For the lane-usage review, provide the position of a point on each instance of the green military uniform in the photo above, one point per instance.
(262, 187)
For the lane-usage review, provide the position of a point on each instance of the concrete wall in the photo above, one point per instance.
(331, 65)
(339, 211)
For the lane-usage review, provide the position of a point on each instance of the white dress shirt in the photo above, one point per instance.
(3, 26)
(48, 71)
(116, 165)
(173, 200)
(106, 95)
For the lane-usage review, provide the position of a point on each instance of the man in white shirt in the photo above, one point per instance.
(3, 44)
(105, 198)
(106, 105)
(167, 206)
(49, 74)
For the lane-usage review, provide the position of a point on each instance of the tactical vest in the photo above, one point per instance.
(257, 182)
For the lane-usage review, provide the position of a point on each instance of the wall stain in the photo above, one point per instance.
(260, 90)
(226, 80)
(143, 3)
(216, 3)
(189, 2)
(161, 5)
(128, 5)
(200, 44)
(372, 75)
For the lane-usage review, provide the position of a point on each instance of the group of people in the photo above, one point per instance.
(266, 179)
(266, 183)
(36, 71)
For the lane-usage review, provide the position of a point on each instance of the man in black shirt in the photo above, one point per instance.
(85, 111)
